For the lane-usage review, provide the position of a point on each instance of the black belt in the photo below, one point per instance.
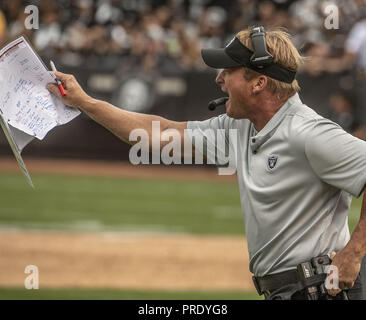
(274, 281)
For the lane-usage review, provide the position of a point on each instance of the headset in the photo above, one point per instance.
(260, 58)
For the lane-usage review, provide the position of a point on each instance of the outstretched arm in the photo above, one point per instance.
(119, 122)
(348, 260)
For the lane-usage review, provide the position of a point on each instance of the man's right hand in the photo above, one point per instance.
(75, 95)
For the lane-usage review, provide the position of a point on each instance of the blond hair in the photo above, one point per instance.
(284, 53)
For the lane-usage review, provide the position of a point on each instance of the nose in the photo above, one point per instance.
(219, 78)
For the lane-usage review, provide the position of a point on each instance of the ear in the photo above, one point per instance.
(259, 84)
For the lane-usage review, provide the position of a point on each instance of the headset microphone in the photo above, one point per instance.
(217, 102)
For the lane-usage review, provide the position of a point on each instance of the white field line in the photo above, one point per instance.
(91, 226)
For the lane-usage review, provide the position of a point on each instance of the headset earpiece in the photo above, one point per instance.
(261, 57)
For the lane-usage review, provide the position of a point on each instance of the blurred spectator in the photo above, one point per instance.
(351, 61)
(154, 36)
(15, 17)
(341, 111)
(48, 35)
(3, 26)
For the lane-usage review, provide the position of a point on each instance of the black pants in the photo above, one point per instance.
(357, 292)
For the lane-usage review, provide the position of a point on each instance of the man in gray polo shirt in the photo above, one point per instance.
(296, 176)
(296, 170)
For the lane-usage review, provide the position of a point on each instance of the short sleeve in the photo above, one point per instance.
(212, 137)
(337, 157)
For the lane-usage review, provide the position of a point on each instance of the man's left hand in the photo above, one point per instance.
(348, 265)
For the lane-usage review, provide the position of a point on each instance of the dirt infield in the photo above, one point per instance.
(115, 260)
(107, 260)
(115, 169)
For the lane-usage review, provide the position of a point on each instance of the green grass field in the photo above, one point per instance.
(112, 294)
(105, 204)
(108, 204)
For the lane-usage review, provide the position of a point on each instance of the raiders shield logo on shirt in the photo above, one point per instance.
(272, 161)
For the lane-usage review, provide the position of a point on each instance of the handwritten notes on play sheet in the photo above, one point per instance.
(28, 110)
(24, 100)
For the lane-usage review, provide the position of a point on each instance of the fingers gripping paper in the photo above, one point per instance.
(27, 109)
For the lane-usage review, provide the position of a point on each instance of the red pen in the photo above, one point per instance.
(59, 84)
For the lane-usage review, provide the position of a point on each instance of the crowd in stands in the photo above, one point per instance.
(157, 33)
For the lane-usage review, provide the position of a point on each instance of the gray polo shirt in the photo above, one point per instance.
(296, 179)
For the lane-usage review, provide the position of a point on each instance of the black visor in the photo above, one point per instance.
(236, 54)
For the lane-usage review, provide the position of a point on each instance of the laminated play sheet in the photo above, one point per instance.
(28, 110)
